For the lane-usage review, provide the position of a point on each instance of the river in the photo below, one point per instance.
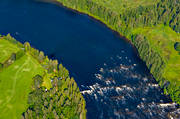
(114, 81)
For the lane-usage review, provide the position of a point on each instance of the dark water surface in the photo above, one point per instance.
(114, 81)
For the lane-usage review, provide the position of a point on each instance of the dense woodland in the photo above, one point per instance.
(62, 101)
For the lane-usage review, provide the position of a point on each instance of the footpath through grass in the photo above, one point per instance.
(15, 83)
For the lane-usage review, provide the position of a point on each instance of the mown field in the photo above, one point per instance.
(6, 49)
(15, 82)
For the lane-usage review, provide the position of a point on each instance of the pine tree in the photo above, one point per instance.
(27, 46)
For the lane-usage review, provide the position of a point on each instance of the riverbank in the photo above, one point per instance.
(152, 32)
(34, 86)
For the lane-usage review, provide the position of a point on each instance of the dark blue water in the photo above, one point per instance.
(114, 81)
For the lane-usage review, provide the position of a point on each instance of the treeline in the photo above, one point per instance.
(163, 12)
(156, 65)
(14, 56)
(48, 64)
(62, 100)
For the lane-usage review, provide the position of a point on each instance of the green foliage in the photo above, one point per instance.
(158, 65)
(41, 56)
(37, 81)
(1, 66)
(139, 13)
(31, 73)
(59, 99)
(52, 66)
(47, 80)
(63, 72)
(19, 54)
(27, 46)
(7, 49)
(16, 80)
(13, 57)
(10, 60)
(177, 46)
(59, 102)
(9, 38)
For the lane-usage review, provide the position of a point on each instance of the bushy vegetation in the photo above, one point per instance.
(62, 101)
(150, 25)
(7, 49)
(177, 46)
(41, 87)
(162, 60)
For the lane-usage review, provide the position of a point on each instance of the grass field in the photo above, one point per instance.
(162, 39)
(15, 82)
(121, 5)
(6, 49)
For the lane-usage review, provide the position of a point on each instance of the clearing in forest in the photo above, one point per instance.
(15, 83)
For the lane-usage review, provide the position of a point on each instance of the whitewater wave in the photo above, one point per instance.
(121, 92)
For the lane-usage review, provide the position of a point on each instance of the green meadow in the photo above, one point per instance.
(6, 49)
(162, 39)
(121, 5)
(15, 81)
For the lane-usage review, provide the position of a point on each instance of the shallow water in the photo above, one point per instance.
(114, 81)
